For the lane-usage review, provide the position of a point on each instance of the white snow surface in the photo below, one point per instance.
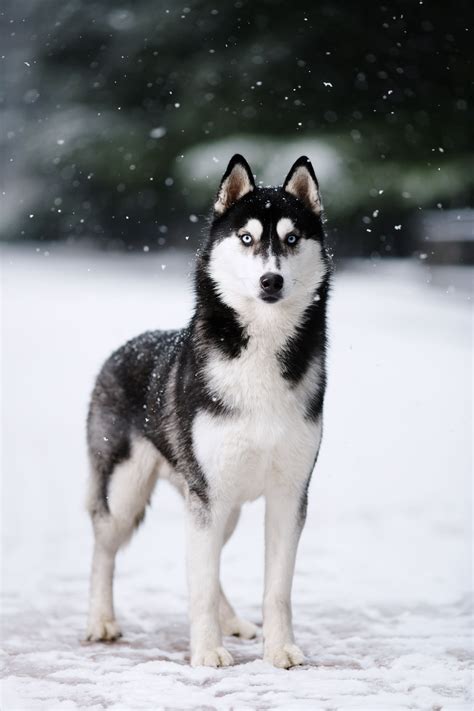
(382, 586)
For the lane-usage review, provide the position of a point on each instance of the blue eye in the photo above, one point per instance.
(291, 239)
(246, 239)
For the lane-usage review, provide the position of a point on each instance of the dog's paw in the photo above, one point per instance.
(102, 630)
(217, 657)
(284, 656)
(238, 627)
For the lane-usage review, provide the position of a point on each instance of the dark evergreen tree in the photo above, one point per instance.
(109, 97)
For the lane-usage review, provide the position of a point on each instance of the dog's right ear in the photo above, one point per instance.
(237, 181)
(301, 182)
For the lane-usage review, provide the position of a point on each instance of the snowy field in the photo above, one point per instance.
(382, 584)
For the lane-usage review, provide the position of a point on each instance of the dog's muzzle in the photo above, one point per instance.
(271, 285)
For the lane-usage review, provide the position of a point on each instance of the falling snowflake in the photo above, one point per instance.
(158, 132)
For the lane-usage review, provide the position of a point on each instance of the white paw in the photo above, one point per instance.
(102, 630)
(217, 657)
(236, 626)
(284, 656)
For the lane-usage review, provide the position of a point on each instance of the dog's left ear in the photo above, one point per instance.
(237, 181)
(301, 182)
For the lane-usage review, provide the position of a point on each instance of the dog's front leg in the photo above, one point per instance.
(284, 520)
(205, 538)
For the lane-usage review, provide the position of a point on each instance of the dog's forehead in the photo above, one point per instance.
(267, 206)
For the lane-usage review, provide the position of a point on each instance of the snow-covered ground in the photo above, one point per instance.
(382, 585)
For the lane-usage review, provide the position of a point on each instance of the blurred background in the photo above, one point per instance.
(119, 118)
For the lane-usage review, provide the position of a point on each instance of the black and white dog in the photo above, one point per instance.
(228, 409)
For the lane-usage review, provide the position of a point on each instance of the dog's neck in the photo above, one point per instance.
(288, 327)
(214, 322)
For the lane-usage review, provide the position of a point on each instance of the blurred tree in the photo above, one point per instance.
(115, 96)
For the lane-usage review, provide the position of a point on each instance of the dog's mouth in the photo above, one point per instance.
(270, 298)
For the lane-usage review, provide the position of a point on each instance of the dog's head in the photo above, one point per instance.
(265, 249)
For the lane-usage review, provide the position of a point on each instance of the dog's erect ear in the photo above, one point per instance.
(236, 182)
(301, 182)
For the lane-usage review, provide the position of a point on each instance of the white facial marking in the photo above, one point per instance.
(254, 227)
(236, 272)
(284, 227)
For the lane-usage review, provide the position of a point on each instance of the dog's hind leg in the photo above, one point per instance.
(116, 510)
(231, 623)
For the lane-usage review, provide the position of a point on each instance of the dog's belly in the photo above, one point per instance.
(241, 456)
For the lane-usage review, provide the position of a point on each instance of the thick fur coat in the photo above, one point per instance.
(228, 409)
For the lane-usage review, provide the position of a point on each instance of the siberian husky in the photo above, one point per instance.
(228, 409)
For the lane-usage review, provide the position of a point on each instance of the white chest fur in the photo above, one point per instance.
(267, 435)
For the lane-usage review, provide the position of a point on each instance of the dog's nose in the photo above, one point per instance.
(271, 283)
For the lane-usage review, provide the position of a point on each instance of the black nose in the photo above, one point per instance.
(271, 283)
